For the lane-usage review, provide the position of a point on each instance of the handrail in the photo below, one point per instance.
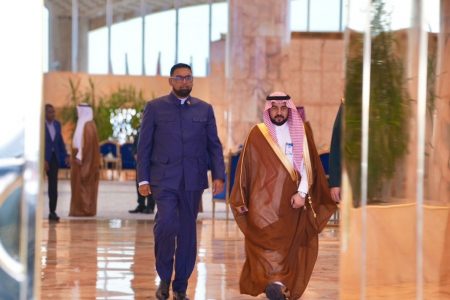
(12, 267)
(9, 183)
(12, 162)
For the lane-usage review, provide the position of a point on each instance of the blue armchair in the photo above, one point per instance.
(127, 156)
(110, 153)
(63, 166)
(324, 158)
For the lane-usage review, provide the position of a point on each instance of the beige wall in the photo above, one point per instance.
(316, 81)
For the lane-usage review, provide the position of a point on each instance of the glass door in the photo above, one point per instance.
(20, 147)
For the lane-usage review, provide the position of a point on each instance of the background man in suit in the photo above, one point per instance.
(54, 151)
(178, 133)
(335, 157)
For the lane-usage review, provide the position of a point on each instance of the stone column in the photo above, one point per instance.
(83, 44)
(60, 42)
(257, 53)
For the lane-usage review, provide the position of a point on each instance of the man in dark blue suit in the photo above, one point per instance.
(178, 134)
(55, 150)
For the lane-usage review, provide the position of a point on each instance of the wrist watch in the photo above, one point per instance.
(302, 194)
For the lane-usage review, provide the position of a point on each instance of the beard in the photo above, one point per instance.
(278, 120)
(183, 92)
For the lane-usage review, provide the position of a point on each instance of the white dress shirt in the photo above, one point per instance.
(285, 143)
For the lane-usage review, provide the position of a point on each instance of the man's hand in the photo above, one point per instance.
(217, 186)
(297, 201)
(336, 194)
(46, 167)
(144, 190)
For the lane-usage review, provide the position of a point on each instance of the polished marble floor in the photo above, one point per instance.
(113, 259)
(115, 198)
(110, 256)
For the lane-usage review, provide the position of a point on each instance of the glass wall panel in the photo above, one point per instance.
(395, 235)
(219, 20)
(436, 202)
(433, 16)
(10, 229)
(98, 51)
(10, 222)
(20, 144)
(193, 37)
(299, 15)
(126, 47)
(45, 40)
(345, 12)
(160, 42)
(324, 15)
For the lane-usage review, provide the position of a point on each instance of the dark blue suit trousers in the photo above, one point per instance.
(175, 232)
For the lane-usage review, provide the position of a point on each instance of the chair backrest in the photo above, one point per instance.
(324, 158)
(126, 153)
(233, 162)
(62, 160)
(109, 147)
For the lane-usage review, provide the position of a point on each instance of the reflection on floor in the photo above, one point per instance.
(113, 259)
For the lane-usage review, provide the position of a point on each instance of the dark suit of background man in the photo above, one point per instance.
(178, 133)
(54, 151)
(335, 167)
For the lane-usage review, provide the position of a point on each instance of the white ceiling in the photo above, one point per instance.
(93, 9)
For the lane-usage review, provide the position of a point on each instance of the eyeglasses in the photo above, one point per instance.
(188, 78)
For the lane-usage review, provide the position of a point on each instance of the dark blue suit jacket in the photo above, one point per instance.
(175, 142)
(57, 145)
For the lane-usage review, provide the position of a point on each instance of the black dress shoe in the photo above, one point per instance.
(53, 217)
(148, 210)
(274, 292)
(179, 296)
(162, 293)
(138, 209)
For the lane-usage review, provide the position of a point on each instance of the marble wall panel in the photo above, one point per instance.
(257, 51)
